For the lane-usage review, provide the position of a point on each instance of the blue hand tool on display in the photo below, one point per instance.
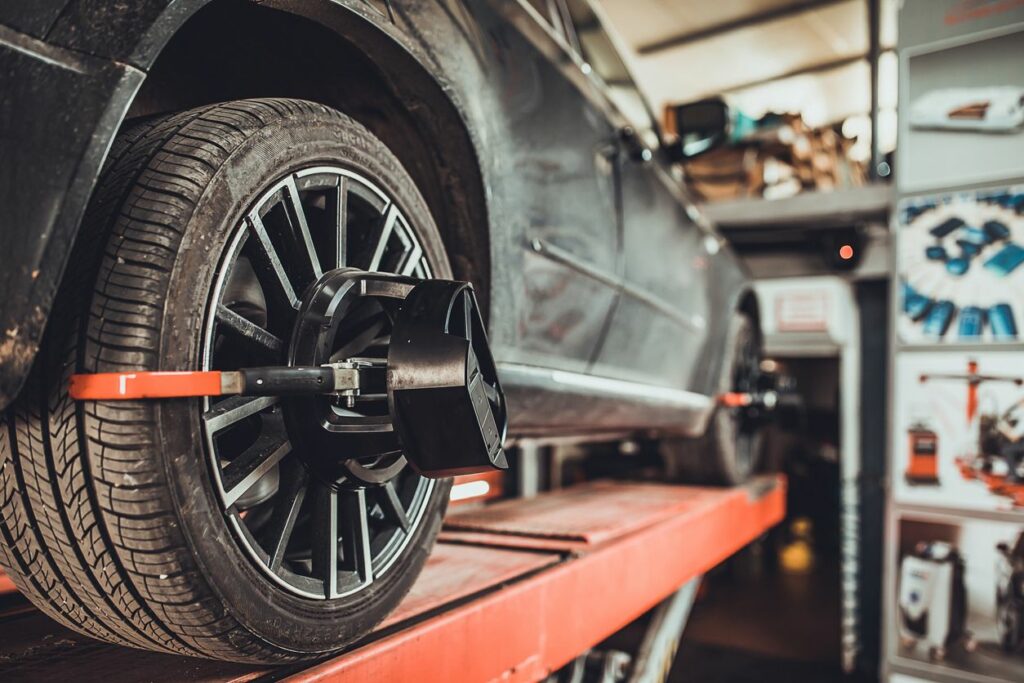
(971, 322)
(915, 305)
(1007, 260)
(1001, 322)
(957, 266)
(939, 318)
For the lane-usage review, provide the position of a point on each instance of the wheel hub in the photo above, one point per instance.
(319, 534)
(340, 446)
(322, 273)
(444, 407)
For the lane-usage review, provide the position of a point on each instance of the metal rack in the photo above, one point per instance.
(513, 591)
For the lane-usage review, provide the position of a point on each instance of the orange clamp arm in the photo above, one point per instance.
(129, 385)
(735, 399)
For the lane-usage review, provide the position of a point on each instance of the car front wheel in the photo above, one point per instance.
(239, 528)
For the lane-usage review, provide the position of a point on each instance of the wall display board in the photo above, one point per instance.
(961, 267)
(957, 607)
(954, 568)
(965, 117)
(958, 430)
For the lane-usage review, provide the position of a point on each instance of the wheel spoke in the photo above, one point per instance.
(272, 259)
(360, 333)
(325, 538)
(308, 529)
(391, 505)
(292, 492)
(387, 226)
(355, 533)
(297, 217)
(420, 270)
(411, 260)
(341, 232)
(234, 409)
(243, 328)
(257, 460)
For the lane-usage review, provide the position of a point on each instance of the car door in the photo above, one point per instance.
(657, 329)
(560, 173)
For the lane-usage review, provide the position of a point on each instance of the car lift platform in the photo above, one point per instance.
(512, 592)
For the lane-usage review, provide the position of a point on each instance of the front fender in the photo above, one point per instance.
(60, 110)
(67, 93)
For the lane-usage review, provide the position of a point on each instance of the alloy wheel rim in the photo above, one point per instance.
(317, 535)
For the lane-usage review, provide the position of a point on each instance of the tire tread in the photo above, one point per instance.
(87, 522)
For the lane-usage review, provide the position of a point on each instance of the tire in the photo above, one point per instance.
(1008, 623)
(725, 455)
(112, 520)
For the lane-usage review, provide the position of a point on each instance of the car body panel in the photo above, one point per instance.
(599, 264)
(557, 188)
(60, 111)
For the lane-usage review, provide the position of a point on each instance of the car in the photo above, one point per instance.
(176, 177)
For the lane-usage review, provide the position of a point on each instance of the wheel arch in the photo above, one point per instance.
(180, 52)
(353, 58)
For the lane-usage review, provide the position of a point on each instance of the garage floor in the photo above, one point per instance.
(763, 626)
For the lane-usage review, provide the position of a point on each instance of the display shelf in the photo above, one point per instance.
(812, 210)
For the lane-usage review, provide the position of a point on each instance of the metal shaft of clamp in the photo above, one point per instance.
(345, 378)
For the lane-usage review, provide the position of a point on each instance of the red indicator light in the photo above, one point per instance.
(846, 252)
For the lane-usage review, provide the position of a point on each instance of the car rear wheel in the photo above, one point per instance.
(246, 529)
(730, 450)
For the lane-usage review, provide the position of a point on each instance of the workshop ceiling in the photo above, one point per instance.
(789, 55)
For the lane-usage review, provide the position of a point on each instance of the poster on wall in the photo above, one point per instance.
(958, 427)
(958, 601)
(965, 119)
(960, 263)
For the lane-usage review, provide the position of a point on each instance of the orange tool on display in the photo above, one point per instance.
(923, 465)
(923, 461)
(974, 380)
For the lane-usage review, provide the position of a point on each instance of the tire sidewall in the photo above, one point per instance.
(279, 617)
(711, 458)
(724, 433)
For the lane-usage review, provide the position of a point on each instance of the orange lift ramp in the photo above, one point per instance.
(512, 591)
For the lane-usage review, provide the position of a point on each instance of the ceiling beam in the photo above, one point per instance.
(817, 67)
(774, 14)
